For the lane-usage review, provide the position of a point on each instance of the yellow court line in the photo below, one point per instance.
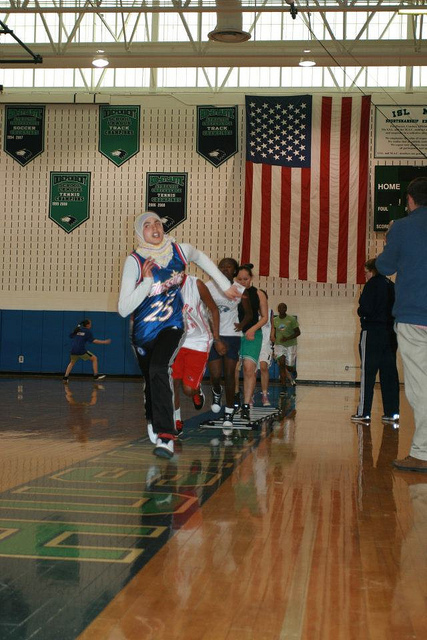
(67, 491)
(65, 506)
(7, 532)
(86, 504)
(56, 544)
(157, 530)
(126, 560)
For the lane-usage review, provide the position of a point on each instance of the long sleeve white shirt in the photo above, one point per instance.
(131, 294)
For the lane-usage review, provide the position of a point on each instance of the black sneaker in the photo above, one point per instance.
(100, 376)
(216, 401)
(237, 401)
(245, 412)
(199, 400)
(391, 419)
(65, 379)
(358, 418)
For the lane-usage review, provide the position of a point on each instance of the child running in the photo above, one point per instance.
(80, 336)
(252, 337)
(202, 329)
(266, 354)
(230, 331)
(151, 292)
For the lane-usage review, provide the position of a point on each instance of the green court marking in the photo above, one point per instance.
(69, 491)
(149, 505)
(121, 476)
(142, 531)
(58, 540)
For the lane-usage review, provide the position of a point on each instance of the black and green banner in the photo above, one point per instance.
(69, 203)
(119, 129)
(166, 195)
(217, 133)
(24, 132)
(390, 187)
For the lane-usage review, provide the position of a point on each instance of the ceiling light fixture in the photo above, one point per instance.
(100, 60)
(307, 60)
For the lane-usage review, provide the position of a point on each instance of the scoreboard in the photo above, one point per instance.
(390, 187)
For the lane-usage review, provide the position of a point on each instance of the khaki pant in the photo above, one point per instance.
(412, 342)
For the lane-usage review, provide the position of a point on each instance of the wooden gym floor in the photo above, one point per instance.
(299, 529)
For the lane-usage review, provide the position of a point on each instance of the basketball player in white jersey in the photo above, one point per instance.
(201, 317)
(230, 332)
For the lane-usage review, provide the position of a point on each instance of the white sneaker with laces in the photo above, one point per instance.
(216, 401)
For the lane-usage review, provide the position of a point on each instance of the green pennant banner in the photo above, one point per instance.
(119, 129)
(24, 132)
(69, 204)
(217, 133)
(166, 195)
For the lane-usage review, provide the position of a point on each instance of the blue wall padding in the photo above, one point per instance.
(42, 338)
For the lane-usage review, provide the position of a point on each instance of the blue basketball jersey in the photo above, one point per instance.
(162, 308)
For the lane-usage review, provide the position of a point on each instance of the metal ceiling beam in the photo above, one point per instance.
(302, 8)
(251, 54)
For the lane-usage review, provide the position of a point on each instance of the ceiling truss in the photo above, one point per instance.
(132, 35)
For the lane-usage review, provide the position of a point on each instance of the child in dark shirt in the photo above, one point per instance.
(80, 336)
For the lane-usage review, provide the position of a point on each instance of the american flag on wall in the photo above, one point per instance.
(306, 188)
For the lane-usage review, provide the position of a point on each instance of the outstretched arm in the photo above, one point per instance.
(201, 259)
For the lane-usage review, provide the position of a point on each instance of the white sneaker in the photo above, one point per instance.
(227, 424)
(164, 448)
(216, 401)
(151, 434)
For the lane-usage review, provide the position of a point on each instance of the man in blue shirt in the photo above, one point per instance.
(405, 254)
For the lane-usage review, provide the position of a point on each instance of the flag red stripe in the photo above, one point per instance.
(363, 187)
(285, 222)
(305, 224)
(324, 190)
(344, 186)
(265, 231)
(247, 217)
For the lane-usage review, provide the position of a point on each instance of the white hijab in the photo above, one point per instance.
(161, 253)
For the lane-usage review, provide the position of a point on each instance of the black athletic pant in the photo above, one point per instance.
(377, 348)
(155, 360)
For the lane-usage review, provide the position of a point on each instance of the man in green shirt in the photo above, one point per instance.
(286, 331)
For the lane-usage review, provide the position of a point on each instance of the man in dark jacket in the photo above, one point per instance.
(377, 347)
(405, 253)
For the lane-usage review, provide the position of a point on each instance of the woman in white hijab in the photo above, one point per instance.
(150, 291)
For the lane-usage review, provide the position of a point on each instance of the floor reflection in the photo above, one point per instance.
(298, 529)
(80, 420)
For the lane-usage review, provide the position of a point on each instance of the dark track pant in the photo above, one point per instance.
(377, 348)
(155, 364)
